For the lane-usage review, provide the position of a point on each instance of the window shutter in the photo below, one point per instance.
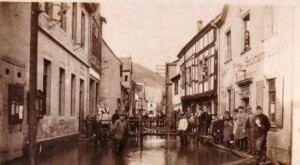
(279, 101)
(259, 93)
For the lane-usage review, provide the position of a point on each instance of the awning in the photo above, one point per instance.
(173, 79)
(204, 95)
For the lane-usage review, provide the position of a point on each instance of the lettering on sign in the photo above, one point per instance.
(254, 59)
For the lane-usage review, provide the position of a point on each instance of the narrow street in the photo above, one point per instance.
(166, 82)
(162, 150)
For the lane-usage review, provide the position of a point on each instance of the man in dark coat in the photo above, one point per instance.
(228, 130)
(262, 126)
(115, 117)
(205, 121)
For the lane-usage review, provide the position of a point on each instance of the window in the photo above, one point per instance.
(229, 101)
(73, 94)
(270, 22)
(96, 45)
(126, 78)
(190, 74)
(205, 69)
(228, 46)
(61, 97)
(81, 105)
(211, 36)
(92, 96)
(74, 21)
(201, 43)
(176, 87)
(183, 79)
(47, 86)
(63, 18)
(212, 65)
(246, 20)
(82, 29)
(272, 100)
(97, 93)
(49, 9)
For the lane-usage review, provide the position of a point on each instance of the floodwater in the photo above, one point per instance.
(155, 150)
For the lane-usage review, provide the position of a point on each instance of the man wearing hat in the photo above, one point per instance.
(120, 129)
(250, 124)
(261, 128)
(228, 130)
(182, 126)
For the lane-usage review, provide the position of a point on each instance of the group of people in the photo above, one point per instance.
(102, 124)
(245, 130)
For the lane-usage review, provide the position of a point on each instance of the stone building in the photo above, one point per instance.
(140, 98)
(70, 75)
(170, 72)
(176, 89)
(111, 75)
(69, 55)
(150, 95)
(256, 68)
(14, 78)
(126, 83)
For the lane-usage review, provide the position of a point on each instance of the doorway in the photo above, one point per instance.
(81, 106)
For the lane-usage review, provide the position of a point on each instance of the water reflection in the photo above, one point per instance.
(154, 150)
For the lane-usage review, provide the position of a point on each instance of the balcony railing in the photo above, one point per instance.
(95, 52)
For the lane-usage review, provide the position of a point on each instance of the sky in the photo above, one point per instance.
(153, 32)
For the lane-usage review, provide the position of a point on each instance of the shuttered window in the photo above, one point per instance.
(63, 18)
(276, 95)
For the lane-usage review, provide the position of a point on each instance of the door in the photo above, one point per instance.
(81, 106)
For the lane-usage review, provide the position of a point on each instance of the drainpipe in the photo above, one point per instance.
(32, 121)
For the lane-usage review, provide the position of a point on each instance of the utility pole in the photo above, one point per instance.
(33, 83)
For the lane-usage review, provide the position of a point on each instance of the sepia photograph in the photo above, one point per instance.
(150, 82)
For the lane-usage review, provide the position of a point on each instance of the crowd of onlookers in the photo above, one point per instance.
(243, 130)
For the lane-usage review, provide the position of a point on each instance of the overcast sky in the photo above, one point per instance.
(153, 32)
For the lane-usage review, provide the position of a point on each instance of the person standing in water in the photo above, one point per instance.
(120, 129)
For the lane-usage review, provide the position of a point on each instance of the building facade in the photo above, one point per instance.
(14, 78)
(111, 75)
(170, 72)
(69, 76)
(69, 55)
(126, 83)
(150, 95)
(176, 89)
(256, 53)
(198, 61)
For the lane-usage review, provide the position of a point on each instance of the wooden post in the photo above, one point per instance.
(33, 83)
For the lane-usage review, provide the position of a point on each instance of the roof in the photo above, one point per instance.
(215, 23)
(104, 42)
(127, 63)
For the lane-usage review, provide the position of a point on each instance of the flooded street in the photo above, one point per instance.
(162, 150)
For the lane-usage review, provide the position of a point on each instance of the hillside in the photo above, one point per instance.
(147, 76)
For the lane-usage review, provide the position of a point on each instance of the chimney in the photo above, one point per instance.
(199, 25)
